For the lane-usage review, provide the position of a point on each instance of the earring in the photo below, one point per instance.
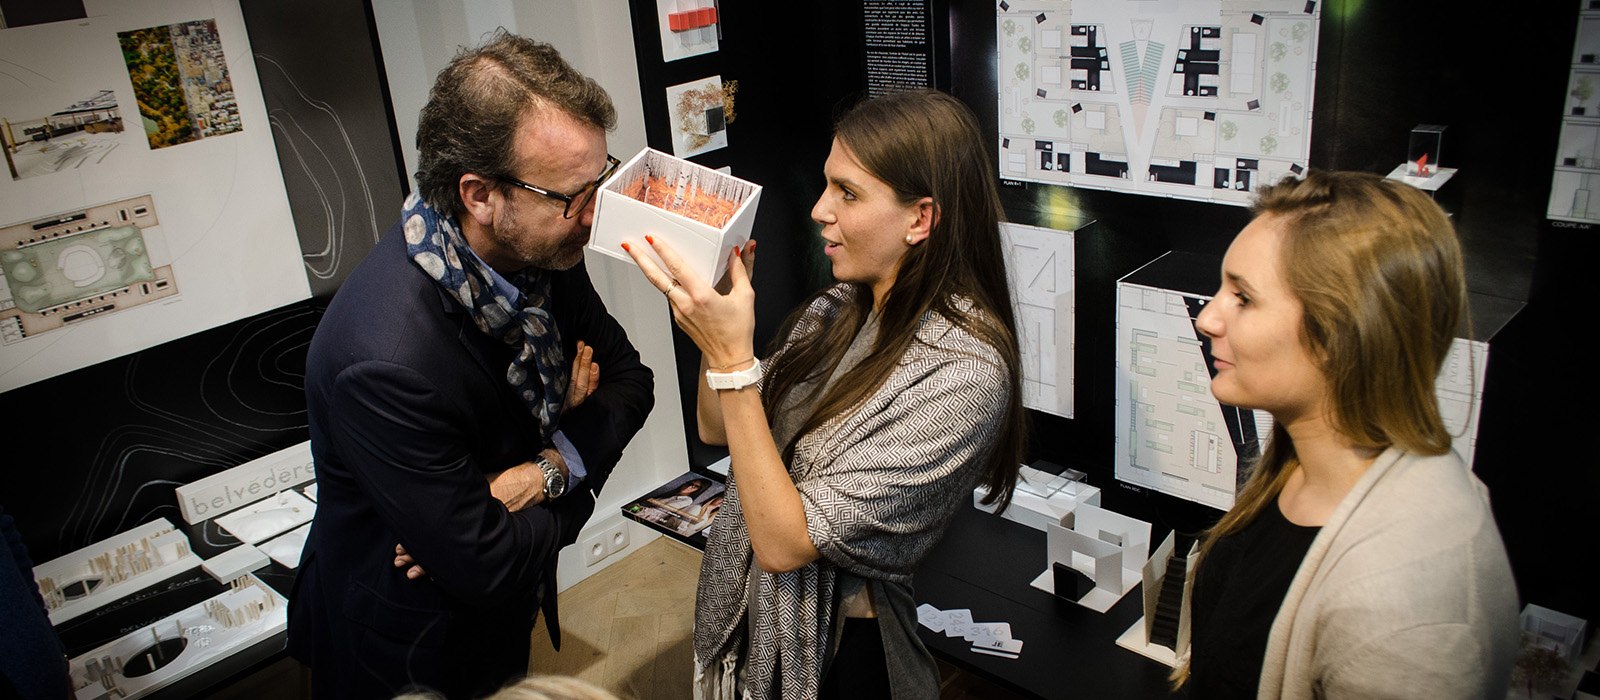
(910, 240)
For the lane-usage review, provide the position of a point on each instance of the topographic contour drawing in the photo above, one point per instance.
(1195, 100)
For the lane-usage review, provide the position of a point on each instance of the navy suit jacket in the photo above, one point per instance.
(409, 410)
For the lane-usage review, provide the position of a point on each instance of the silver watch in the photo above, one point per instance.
(555, 483)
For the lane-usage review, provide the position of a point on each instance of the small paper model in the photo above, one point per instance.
(1104, 546)
(1162, 633)
(698, 211)
(1041, 498)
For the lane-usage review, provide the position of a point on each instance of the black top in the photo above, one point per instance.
(1237, 592)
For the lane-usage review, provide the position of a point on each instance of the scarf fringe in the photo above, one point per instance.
(721, 683)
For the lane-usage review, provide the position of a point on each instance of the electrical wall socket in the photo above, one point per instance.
(605, 543)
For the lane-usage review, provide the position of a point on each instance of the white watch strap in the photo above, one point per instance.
(734, 380)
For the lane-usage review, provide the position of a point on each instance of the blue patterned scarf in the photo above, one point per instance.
(538, 372)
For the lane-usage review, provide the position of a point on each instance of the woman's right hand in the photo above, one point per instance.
(721, 323)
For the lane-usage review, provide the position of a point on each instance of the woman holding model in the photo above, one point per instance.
(883, 401)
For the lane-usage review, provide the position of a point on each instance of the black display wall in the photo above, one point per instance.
(97, 451)
(1495, 77)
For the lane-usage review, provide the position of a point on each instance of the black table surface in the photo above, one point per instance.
(985, 564)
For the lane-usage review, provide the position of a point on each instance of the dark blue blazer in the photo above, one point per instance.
(409, 410)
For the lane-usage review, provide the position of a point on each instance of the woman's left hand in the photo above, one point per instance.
(721, 324)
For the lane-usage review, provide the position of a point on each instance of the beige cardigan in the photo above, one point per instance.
(1405, 593)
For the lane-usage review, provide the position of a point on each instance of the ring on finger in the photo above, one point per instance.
(668, 290)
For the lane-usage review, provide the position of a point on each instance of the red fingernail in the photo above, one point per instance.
(650, 240)
(738, 250)
(626, 248)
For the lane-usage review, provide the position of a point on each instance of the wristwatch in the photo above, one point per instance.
(555, 483)
(734, 380)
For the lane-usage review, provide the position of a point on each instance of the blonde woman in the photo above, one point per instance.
(1361, 559)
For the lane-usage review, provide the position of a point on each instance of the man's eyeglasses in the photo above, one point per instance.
(577, 201)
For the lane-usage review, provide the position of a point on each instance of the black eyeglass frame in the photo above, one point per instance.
(581, 197)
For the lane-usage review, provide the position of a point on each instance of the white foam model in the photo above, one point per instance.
(178, 645)
(270, 516)
(1105, 546)
(112, 568)
(286, 549)
(1041, 498)
(235, 562)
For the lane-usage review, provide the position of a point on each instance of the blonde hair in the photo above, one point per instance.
(1377, 269)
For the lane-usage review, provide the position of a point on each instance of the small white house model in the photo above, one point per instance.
(698, 211)
(1107, 547)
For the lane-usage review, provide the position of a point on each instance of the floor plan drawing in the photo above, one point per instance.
(1577, 163)
(1040, 264)
(77, 265)
(1195, 100)
(1173, 436)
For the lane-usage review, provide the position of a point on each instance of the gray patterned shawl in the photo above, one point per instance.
(878, 486)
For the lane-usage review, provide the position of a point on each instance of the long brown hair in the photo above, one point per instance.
(1377, 269)
(921, 143)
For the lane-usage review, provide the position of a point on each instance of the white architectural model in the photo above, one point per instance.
(700, 212)
(1107, 547)
(287, 548)
(1162, 633)
(1041, 499)
(1040, 262)
(1197, 100)
(107, 570)
(270, 516)
(181, 644)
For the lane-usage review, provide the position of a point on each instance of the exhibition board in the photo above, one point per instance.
(107, 441)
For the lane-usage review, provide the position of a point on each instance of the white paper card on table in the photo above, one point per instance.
(235, 562)
(931, 617)
(953, 619)
(1010, 648)
(270, 516)
(984, 632)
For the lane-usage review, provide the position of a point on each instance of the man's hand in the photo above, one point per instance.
(523, 485)
(585, 377)
(403, 560)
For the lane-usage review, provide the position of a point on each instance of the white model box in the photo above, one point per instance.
(698, 211)
(1041, 499)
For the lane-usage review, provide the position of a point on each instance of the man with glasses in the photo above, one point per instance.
(468, 392)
